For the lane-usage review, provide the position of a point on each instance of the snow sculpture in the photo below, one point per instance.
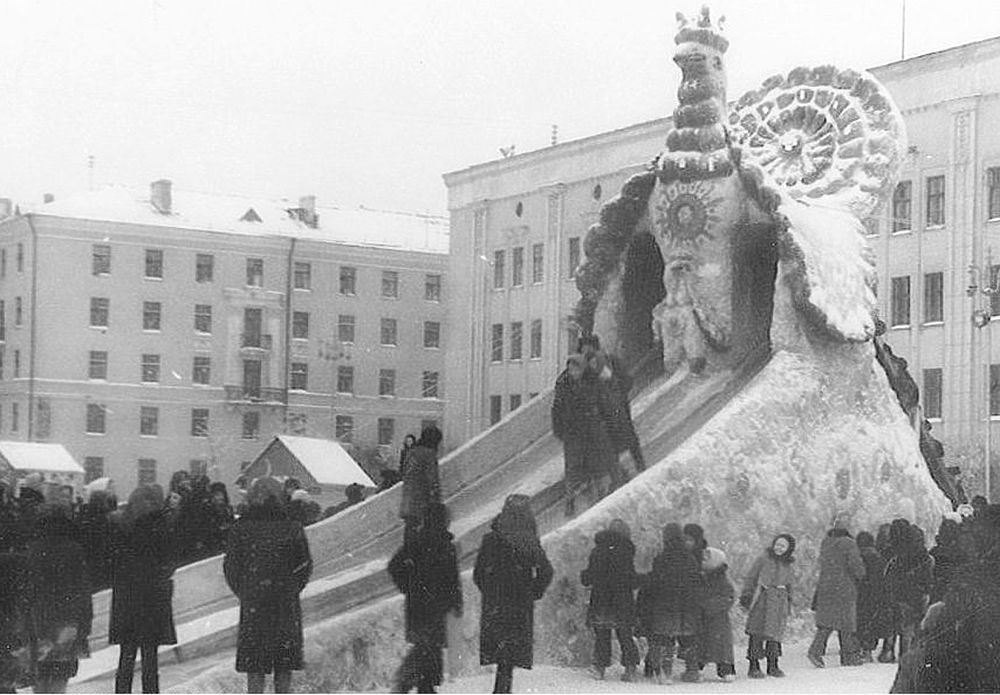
(785, 179)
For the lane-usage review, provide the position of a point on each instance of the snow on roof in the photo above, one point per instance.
(231, 214)
(34, 456)
(327, 462)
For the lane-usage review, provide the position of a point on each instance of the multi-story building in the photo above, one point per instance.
(517, 226)
(152, 331)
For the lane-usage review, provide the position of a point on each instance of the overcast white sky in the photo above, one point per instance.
(370, 102)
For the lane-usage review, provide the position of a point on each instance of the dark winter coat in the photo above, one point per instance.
(95, 533)
(581, 411)
(873, 607)
(768, 593)
(717, 631)
(671, 595)
(142, 587)
(267, 565)
(426, 571)
(510, 580)
(618, 385)
(947, 560)
(908, 579)
(840, 570)
(56, 595)
(12, 629)
(611, 575)
(421, 482)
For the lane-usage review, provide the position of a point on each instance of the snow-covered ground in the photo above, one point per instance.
(801, 677)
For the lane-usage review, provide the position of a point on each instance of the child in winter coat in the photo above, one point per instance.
(767, 594)
(611, 575)
(716, 640)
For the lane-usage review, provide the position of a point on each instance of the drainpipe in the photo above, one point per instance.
(34, 328)
(288, 328)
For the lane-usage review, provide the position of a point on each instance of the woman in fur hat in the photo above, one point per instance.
(767, 594)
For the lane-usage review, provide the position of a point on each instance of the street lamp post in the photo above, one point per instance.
(984, 282)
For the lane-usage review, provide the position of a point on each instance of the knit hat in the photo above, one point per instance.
(713, 559)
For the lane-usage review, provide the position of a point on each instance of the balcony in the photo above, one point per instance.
(253, 394)
(256, 341)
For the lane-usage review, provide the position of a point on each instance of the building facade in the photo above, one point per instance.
(150, 332)
(944, 220)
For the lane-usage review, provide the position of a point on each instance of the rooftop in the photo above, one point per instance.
(231, 214)
(36, 456)
(327, 462)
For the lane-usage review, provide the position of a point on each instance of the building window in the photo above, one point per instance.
(98, 367)
(902, 207)
(498, 269)
(517, 267)
(300, 376)
(150, 369)
(17, 364)
(935, 201)
(900, 299)
(204, 267)
(345, 328)
(15, 417)
(255, 272)
(496, 409)
(253, 323)
(151, 316)
(154, 263)
(432, 288)
(432, 334)
(933, 297)
(344, 428)
(300, 325)
(386, 431)
(390, 284)
(18, 311)
(147, 471)
(348, 281)
(100, 259)
(199, 422)
(993, 193)
(516, 331)
(345, 379)
(201, 372)
(198, 467)
(387, 382)
(303, 276)
(536, 338)
(429, 387)
(93, 468)
(537, 263)
(995, 296)
(149, 421)
(574, 255)
(203, 318)
(20, 258)
(99, 309)
(496, 347)
(251, 424)
(387, 332)
(995, 389)
(932, 393)
(251, 379)
(515, 401)
(96, 418)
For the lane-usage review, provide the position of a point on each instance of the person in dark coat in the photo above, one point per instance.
(267, 565)
(694, 538)
(512, 572)
(874, 613)
(948, 556)
(610, 573)
(421, 482)
(671, 609)
(409, 441)
(56, 599)
(94, 521)
(716, 638)
(909, 576)
(840, 570)
(580, 410)
(142, 588)
(767, 594)
(425, 570)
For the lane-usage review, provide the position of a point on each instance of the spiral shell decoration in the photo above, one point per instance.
(823, 132)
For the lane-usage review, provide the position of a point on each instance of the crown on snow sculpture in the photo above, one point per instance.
(701, 30)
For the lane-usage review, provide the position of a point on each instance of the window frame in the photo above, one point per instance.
(934, 300)
(254, 272)
(152, 316)
(432, 287)
(389, 284)
(906, 202)
(298, 379)
(936, 201)
(432, 335)
(348, 281)
(202, 318)
(91, 363)
(386, 424)
(200, 421)
(932, 393)
(96, 306)
(895, 301)
(150, 363)
(149, 421)
(96, 414)
(343, 325)
(100, 260)
(430, 384)
(345, 376)
(202, 370)
(154, 261)
(391, 325)
(204, 268)
(300, 325)
(387, 382)
(302, 276)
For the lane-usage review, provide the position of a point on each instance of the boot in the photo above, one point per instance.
(772, 668)
(887, 656)
(597, 672)
(754, 670)
(630, 674)
(691, 674)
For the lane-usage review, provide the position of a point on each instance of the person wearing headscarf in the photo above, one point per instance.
(874, 611)
(767, 594)
(421, 482)
(56, 599)
(716, 638)
(142, 588)
(610, 573)
(840, 570)
(425, 570)
(581, 410)
(409, 441)
(512, 572)
(267, 565)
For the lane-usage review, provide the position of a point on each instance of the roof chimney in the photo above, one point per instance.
(307, 205)
(48, 198)
(6, 204)
(160, 196)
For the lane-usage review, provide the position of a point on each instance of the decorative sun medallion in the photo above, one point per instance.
(685, 212)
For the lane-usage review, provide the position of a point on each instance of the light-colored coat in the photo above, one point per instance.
(840, 570)
(770, 583)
